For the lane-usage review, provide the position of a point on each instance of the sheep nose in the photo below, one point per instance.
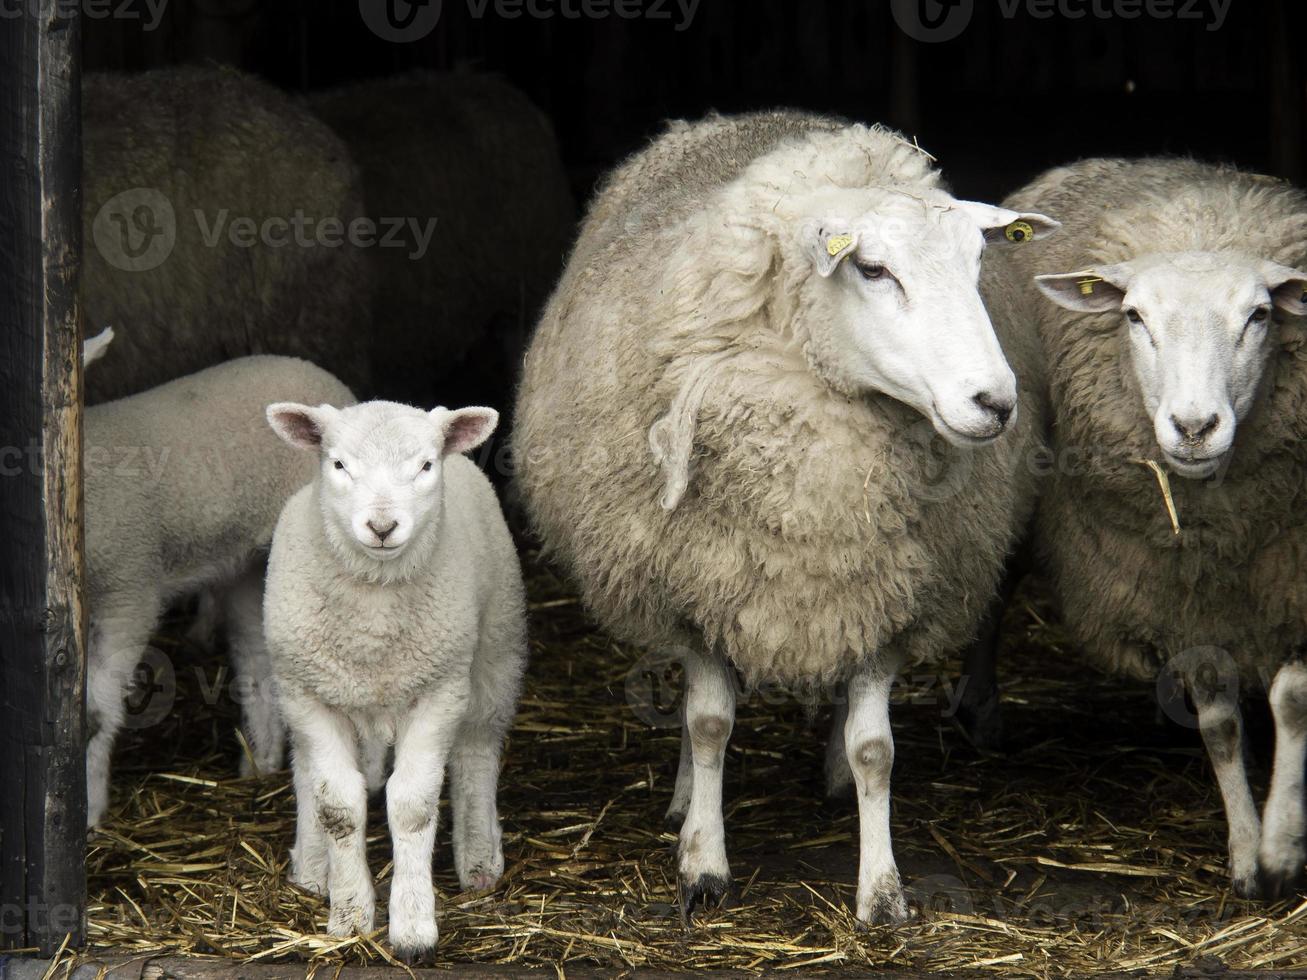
(1000, 406)
(382, 530)
(1196, 430)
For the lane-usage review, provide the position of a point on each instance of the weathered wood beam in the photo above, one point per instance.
(42, 621)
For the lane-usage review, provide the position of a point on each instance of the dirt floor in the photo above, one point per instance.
(1095, 843)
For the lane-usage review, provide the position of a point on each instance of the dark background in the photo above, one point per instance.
(1005, 98)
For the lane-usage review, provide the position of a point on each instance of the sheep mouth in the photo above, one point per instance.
(963, 439)
(1193, 467)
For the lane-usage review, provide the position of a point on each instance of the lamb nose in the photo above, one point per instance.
(1000, 408)
(1195, 430)
(383, 531)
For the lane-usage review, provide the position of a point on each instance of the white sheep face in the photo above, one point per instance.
(381, 487)
(1198, 329)
(901, 310)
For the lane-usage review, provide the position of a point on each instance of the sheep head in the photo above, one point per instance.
(380, 487)
(894, 306)
(1198, 329)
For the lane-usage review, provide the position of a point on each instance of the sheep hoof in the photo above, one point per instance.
(674, 820)
(1271, 883)
(883, 904)
(981, 724)
(1250, 886)
(415, 944)
(711, 890)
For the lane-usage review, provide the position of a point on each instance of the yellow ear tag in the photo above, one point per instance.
(1019, 231)
(837, 244)
(1087, 286)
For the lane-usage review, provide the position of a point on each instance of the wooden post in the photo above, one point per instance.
(42, 621)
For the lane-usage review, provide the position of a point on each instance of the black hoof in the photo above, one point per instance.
(982, 724)
(1273, 885)
(710, 891)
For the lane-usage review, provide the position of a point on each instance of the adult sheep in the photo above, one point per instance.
(473, 169)
(721, 433)
(195, 181)
(1182, 346)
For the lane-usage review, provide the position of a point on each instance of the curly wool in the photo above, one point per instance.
(813, 531)
(1135, 594)
(230, 147)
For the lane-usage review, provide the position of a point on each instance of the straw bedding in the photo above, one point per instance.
(1095, 844)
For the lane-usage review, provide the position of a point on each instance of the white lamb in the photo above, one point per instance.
(183, 486)
(395, 613)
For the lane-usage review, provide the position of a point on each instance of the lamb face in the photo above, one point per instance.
(1198, 332)
(899, 307)
(380, 486)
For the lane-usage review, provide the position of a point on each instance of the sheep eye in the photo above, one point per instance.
(426, 467)
(338, 464)
(1133, 316)
(871, 271)
(1260, 315)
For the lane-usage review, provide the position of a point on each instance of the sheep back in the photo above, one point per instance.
(187, 478)
(225, 145)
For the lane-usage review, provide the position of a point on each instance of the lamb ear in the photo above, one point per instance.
(1288, 288)
(301, 426)
(93, 348)
(1098, 290)
(465, 428)
(829, 246)
(1006, 225)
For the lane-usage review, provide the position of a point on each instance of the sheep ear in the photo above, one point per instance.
(829, 247)
(466, 428)
(1288, 288)
(93, 348)
(1005, 225)
(1091, 291)
(300, 425)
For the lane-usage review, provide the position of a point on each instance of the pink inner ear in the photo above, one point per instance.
(466, 431)
(300, 428)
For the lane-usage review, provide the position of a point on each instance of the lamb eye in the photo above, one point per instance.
(871, 271)
(426, 467)
(1134, 317)
(339, 465)
(1260, 315)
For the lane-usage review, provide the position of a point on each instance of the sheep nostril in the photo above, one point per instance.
(1000, 408)
(382, 531)
(1196, 430)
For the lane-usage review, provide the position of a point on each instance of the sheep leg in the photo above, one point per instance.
(308, 855)
(327, 771)
(474, 768)
(1221, 724)
(1282, 853)
(118, 639)
(261, 723)
(709, 717)
(839, 777)
(870, 747)
(680, 805)
(422, 749)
